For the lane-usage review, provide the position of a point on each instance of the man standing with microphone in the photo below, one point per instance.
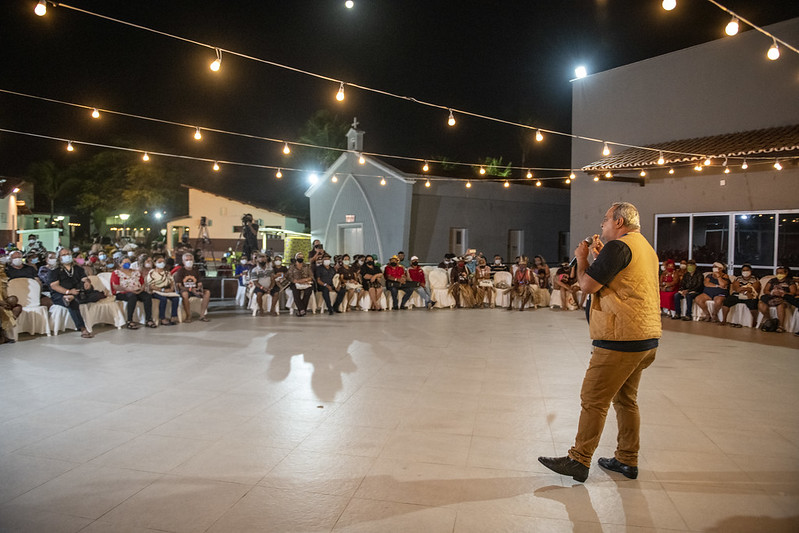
(625, 327)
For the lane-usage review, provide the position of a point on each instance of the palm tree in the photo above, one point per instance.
(51, 182)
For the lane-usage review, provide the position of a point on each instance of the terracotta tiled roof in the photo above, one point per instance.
(780, 140)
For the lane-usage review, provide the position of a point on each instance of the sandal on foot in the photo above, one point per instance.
(204, 319)
(87, 335)
(132, 325)
(151, 324)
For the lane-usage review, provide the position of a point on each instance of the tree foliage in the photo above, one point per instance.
(323, 129)
(52, 183)
(494, 166)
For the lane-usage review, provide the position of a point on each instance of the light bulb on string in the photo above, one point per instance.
(661, 160)
(145, 157)
(41, 8)
(539, 136)
(568, 181)
(382, 181)
(727, 170)
(708, 162)
(216, 64)
(642, 173)
(427, 184)
(529, 175)
(671, 171)
(777, 165)
(698, 167)
(216, 166)
(197, 134)
(95, 113)
(773, 52)
(668, 5)
(70, 148)
(596, 178)
(608, 174)
(340, 93)
(572, 176)
(278, 174)
(482, 171)
(538, 183)
(468, 184)
(286, 149)
(334, 179)
(426, 167)
(605, 150)
(451, 119)
(745, 165)
(732, 27)
(361, 159)
(506, 184)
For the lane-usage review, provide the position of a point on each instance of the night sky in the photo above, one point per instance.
(509, 59)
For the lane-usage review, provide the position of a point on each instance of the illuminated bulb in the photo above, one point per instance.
(661, 160)
(539, 136)
(773, 52)
(698, 167)
(605, 150)
(572, 176)
(426, 167)
(596, 178)
(727, 170)
(427, 184)
(580, 72)
(334, 179)
(708, 162)
(70, 148)
(468, 184)
(608, 174)
(41, 8)
(313, 178)
(507, 184)
(745, 165)
(643, 173)
(217, 63)
(671, 171)
(529, 175)
(197, 134)
(278, 174)
(145, 157)
(568, 180)
(95, 113)
(362, 159)
(451, 119)
(777, 165)
(732, 27)
(340, 93)
(482, 171)
(216, 166)
(538, 183)
(286, 149)
(349, 4)
(382, 181)
(668, 5)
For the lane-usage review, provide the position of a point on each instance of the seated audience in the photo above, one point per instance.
(127, 285)
(325, 283)
(374, 280)
(187, 281)
(716, 288)
(522, 288)
(459, 287)
(541, 279)
(279, 283)
(692, 282)
(301, 278)
(745, 290)
(566, 283)
(394, 274)
(350, 278)
(417, 282)
(66, 285)
(669, 282)
(498, 265)
(261, 279)
(161, 285)
(775, 293)
(483, 286)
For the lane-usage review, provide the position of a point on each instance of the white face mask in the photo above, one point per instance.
(66, 259)
(243, 261)
(360, 261)
(468, 258)
(148, 265)
(76, 249)
(102, 257)
(746, 273)
(52, 261)
(346, 262)
(160, 264)
(17, 261)
(497, 261)
(683, 266)
(131, 254)
(4, 259)
(188, 264)
(716, 269)
(278, 262)
(326, 262)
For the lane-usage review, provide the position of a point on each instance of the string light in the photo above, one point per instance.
(286, 149)
(539, 136)
(340, 93)
(668, 5)
(41, 8)
(216, 63)
(427, 184)
(197, 134)
(572, 176)
(726, 168)
(70, 148)
(777, 165)
(334, 179)
(643, 173)
(745, 165)
(568, 181)
(426, 167)
(278, 174)
(538, 183)
(773, 52)
(216, 166)
(708, 162)
(382, 181)
(671, 171)
(698, 167)
(596, 178)
(145, 157)
(608, 174)
(529, 175)
(95, 113)
(732, 27)
(451, 119)
(362, 159)
(349, 4)
(507, 184)
(482, 171)
(661, 160)
(468, 184)
(605, 149)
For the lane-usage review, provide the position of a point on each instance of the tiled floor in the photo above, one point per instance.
(406, 421)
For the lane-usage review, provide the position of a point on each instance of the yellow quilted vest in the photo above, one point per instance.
(628, 308)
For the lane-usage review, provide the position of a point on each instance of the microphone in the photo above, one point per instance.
(588, 241)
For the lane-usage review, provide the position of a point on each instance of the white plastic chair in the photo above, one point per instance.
(106, 311)
(60, 319)
(34, 318)
(503, 295)
(439, 292)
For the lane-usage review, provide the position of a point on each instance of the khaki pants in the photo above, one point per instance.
(611, 376)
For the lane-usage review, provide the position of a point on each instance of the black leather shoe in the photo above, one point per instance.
(611, 463)
(566, 466)
(676, 317)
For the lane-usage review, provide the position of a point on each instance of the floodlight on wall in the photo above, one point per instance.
(732, 27)
(349, 4)
(580, 72)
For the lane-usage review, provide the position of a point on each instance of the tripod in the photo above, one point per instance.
(203, 243)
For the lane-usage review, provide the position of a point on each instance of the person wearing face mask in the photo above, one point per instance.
(351, 281)
(325, 283)
(127, 285)
(498, 266)
(242, 274)
(470, 263)
(417, 282)
(160, 283)
(669, 283)
(566, 282)
(374, 280)
(691, 285)
(45, 275)
(716, 288)
(65, 287)
(17, 268)
(483, 284)
(279, 283)
(394, 274)
(459, 287)
(401, 259)
(260, 279)
(187, 281)
(301, 279)
(447, 262)
(778, 289)
(745, 290)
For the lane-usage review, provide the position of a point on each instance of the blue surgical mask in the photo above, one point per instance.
(126, 265)
(109, 265)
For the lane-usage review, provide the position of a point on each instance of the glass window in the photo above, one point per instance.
(788, 240)
(673, 235)
(754, 239)
(710, 238)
